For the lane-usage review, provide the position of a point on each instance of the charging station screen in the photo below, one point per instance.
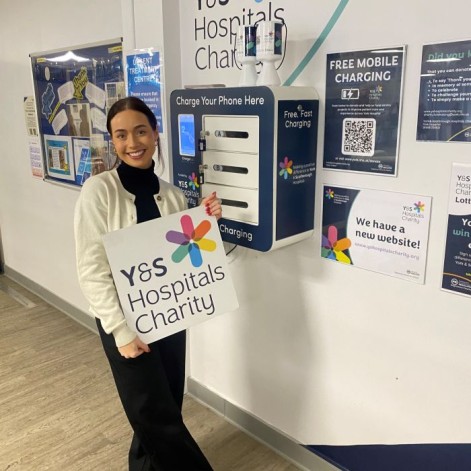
(186, 134)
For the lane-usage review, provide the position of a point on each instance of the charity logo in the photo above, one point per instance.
(333, 248)
(419, 207)
(191, 241)
(193, 181)
(329, 194)
(286, 169)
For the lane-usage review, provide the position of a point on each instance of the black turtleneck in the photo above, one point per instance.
(144, 184)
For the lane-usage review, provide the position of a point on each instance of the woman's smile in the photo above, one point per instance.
(133, 138)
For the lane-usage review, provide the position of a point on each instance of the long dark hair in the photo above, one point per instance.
(135, 104)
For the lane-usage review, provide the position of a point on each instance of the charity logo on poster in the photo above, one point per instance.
(170, 273)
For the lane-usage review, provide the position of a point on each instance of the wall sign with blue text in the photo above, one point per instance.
(144, 80)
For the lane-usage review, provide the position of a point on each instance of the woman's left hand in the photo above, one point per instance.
(213, 205)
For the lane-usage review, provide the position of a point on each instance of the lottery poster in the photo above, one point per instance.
(74, 89)
(457, 264)
(363, 109)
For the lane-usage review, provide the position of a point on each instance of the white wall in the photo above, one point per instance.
(36, 217)
(326, 353)
(332, 354)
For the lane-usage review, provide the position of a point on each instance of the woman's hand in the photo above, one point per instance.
(134, 349)
(213, 205)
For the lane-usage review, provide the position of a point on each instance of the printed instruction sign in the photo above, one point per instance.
(362, 110)
(445, 93)
(457, 264)
(376, 230)
(170, 273)
(144, 81)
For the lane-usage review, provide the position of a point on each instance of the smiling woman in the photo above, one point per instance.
(133, 132)
(149, 378)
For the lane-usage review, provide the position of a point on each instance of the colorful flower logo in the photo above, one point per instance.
(333, 248)
(193, 181)
(286, 169)
(419, 207)
(191, 241)
(329, 194)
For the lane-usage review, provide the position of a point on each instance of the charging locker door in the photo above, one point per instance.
(229, 168)
(238, 204)
(231, 164)
(232, 133)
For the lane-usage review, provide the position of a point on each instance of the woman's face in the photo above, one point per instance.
(133, 138)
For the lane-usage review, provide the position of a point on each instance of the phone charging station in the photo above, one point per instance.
(256, 148)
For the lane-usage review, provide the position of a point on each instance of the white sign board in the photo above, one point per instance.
(382, 231)
(170, 273)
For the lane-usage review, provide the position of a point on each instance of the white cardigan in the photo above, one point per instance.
(104, 206)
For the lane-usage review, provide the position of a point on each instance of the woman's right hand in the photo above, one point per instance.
(134, 349)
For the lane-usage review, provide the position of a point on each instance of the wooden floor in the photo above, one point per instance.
(59, 410)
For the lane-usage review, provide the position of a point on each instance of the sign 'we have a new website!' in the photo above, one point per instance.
(170, 273)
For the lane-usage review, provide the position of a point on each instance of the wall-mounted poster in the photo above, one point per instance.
(362, 110)
(445, 93)
(377, 230)
(457, 264)
(59, 161)
(144, 80)
(74, 88)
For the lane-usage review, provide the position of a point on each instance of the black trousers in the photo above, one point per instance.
(151, 390)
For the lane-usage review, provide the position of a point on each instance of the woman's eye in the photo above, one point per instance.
(119, 136)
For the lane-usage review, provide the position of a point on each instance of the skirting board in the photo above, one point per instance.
(76, 314)
(280, 443)
(257, 429)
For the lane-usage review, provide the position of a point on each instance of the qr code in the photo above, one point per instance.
(358, 136)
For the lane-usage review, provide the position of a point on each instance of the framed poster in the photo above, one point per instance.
(457, 264)
(73, 91)
(381, 231)
(362, 110)
(445, 93)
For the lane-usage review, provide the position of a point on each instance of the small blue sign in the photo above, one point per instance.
(144, 81)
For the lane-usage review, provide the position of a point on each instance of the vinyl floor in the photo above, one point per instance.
(59, 410)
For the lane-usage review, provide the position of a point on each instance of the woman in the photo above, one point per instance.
(149, 378)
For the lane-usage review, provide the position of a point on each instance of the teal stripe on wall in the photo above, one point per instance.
(318, 43)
